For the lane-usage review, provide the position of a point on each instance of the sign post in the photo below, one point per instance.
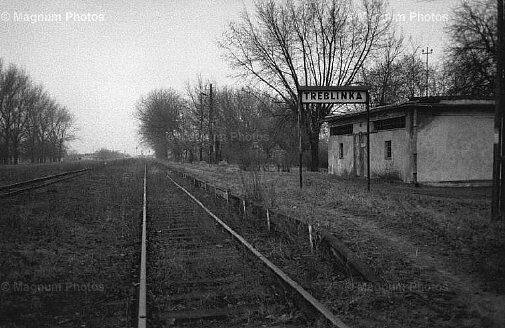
(368, 143)
(300, 148)
(334, 95)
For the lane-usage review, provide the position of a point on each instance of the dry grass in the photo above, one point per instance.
(256, 188)
(427, 235)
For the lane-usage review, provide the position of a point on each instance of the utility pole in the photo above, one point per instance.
(201, 126)
(368, 140)
(211, 135)
(498, 193)
(300, 144)
(427, 53)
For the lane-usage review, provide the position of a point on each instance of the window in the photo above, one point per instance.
(340, 150)
(387, 149)
(390, 123)
(340, 130)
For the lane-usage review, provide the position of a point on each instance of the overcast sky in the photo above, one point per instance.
(97, 57)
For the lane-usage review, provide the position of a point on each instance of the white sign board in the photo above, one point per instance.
(336, 96)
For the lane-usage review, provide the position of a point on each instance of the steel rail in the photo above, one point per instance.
(72, 174)
(338, 250)
(142, 285)
(318, 306)
(23, 183)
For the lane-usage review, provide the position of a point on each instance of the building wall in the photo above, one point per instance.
(398, 165)
(336, 165)
(455, 147)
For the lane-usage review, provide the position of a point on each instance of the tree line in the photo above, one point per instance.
(245, 127)
(33, 125)
(282, 45)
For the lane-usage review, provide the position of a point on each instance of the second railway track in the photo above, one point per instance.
(200, 273)
(28, 185)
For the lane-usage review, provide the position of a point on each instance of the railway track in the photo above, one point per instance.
(28, 185)
(196, 271)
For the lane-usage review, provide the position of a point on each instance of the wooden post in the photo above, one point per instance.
(311, 239)
(300, 144)
(268, 220)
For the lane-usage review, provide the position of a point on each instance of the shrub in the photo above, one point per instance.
(255, 188)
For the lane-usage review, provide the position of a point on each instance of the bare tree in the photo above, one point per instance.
(43, 120)
(241, 120)
(398, 75)
(197, 111)
(382, 75)
(19, 114)
(289, 44)
(34, 116)
(159, 114)
(472, 49)
(32, 124)
(413, 73)
(13, 83)
(62, 123)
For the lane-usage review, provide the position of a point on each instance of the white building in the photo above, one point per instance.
(436, 140)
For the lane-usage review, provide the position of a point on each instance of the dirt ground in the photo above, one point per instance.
(69, 252)
(421, 239)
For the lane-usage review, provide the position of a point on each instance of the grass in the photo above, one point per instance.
(256, 189)
(69, 251)
(427, 235)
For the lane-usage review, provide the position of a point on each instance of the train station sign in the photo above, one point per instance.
(333, 95)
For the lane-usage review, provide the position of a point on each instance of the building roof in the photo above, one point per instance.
(425, 103)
